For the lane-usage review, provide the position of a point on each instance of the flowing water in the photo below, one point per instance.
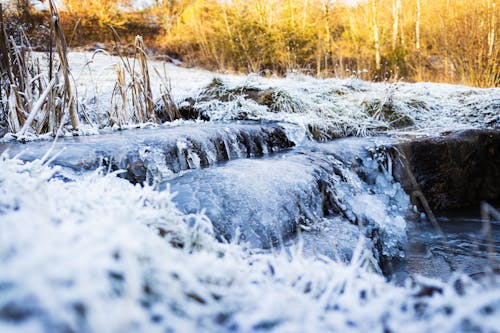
(257, 188)
(464, 244)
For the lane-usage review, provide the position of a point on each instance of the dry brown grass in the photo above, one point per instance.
(37, 99)
(133, 100)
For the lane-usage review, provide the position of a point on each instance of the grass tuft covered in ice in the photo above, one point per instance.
(337, 108)
(98, 254)
(327, 108)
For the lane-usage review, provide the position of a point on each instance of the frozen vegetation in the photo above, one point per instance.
(87, 256)
(91, 252)
(326, 107)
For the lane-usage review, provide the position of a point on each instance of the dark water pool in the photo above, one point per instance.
(463, 246)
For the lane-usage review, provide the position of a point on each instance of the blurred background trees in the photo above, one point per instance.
(452, 41)
(103, 12)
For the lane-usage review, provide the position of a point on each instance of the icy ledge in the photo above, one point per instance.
(144, 154)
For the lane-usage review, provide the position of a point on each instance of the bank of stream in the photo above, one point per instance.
(267, 184)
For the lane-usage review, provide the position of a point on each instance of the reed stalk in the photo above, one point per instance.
(133, 88)
(62, 51)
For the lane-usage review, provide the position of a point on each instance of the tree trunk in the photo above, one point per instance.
(491, 32)
(304, 14)
(326, 13)
(376, 36)
(395, 23)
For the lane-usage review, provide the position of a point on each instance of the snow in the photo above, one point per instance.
(346, 106)
(331, 107)
(86, 256)
(94, 253)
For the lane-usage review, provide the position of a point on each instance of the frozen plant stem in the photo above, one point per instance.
(62, 50)
(36, 108)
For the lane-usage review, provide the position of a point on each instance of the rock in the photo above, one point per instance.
(187, 110)
(454, 170)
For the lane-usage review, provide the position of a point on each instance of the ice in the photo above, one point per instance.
(333, 238)
(158, 153)
(266, 201)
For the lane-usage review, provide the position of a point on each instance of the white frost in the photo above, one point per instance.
(85, 256)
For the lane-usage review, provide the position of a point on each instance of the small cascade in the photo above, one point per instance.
(314, 189)
(162, 152)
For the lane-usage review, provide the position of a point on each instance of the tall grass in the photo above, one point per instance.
(38, 95)
(453, 41)
(38, 99)
(133, 100)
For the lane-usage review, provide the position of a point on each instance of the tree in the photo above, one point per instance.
(105, 12)
(376, 38)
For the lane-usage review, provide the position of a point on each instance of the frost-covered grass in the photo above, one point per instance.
(327, 108)
(98, 254)
(339, 108)
(332, 107)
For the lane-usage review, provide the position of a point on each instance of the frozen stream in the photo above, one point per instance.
(266, 185)
(267, 201)
(260, 218)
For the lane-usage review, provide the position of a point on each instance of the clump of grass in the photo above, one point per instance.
(281, 101)
(275, 99)
(386, 110)
(37, 101)
(133, 100)
(217, 89)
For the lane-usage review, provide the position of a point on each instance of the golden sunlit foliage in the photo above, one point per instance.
(104, 12)
(452, 41)
(439, 40)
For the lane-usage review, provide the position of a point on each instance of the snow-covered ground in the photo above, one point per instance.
(344, 106)
(327, 108)
(85, 256)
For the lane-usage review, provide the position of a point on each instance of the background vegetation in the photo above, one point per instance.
(453, 41)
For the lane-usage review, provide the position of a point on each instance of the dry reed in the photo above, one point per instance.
(36, 100)
(133, 100)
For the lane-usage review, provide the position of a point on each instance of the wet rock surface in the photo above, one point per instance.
(454, 170)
